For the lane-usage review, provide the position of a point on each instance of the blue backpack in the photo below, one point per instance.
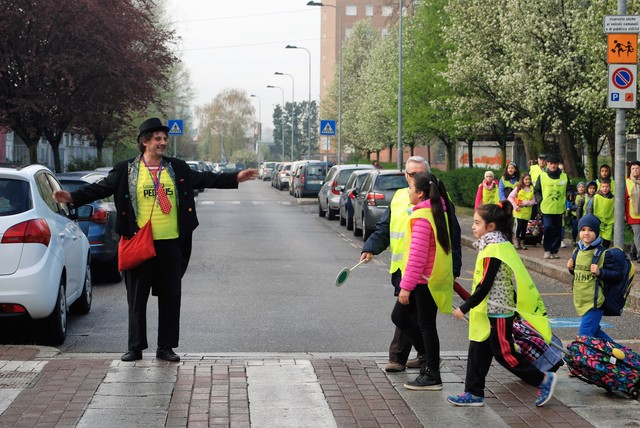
(615, 291)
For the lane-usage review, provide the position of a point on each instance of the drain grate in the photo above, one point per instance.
(19, 380)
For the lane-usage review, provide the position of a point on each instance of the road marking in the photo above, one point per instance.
(573, 323)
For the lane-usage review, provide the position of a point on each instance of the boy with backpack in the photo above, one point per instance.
(588, 272)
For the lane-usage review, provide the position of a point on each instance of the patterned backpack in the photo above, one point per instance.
(535, 349)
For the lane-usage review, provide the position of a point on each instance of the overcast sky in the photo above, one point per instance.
(228, 44)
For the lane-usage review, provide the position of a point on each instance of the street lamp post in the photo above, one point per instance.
(293, 108)
(259, 126)
(316, 3)
(282, 118)
(309, 103)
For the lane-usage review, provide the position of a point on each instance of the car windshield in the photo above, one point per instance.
(391, 182)
(15, 197)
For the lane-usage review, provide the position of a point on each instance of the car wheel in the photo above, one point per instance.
(356, 231)
(321, 213)
(55, 325)
(349, 222)
(331, 214)
(83, 304)
(343, 221)
(366, 233)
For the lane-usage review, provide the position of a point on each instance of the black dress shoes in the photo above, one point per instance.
(132, 356)
(167, 354)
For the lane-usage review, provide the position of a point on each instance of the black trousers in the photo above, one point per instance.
(400, 347)
(521, 228)
(499, 345)
(163, 276)
(423, 308)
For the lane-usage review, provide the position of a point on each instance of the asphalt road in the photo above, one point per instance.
(262, 277)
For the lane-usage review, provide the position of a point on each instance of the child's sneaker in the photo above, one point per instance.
(427, 380)
(466, 400)
(545, 390)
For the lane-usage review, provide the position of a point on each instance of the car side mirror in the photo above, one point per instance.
(85, 212)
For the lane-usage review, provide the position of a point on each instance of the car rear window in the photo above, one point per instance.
(317, 170)
(15, 197)
(344, 176)
(390, 182)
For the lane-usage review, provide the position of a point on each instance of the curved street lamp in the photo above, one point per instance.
(282, 118)
(293, 107)
(309, 102)
(317, 3)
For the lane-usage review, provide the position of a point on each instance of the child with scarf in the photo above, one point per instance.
(487, 190)
(492, 308)
(522, 200)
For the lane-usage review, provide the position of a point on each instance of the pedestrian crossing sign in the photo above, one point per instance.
(175, 126)
(327, 127)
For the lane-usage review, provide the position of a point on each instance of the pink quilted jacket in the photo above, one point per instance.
(422, 252)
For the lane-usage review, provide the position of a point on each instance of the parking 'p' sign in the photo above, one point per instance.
(622, 86)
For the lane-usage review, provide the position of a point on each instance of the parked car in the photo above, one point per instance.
(292, 172)
(374, 198)
(265, 170)
(283, 176)
(44, 256)
(329, 193)
(99, 228)
(351, 188)
(308, 178)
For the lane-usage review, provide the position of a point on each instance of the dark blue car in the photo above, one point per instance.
(99, 229)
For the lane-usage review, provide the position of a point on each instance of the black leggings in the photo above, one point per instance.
(521, 228)
(421, 303)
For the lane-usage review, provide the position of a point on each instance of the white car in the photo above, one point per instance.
(44, 256)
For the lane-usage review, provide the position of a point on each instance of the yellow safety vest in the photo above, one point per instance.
(525, 211)
(535, 172)
(490, 196)
(529, 303)
(632, 212)
(603, 209)
(400, 210)
(441, 280)
(554, 193)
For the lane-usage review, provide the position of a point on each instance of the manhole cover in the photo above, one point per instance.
(19, 380)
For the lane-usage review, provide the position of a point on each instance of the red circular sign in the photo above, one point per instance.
(622, 78)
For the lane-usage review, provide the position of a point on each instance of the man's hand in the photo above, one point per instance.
(62, 196)
(247, 174)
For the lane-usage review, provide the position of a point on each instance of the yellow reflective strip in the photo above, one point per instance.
(396, 235)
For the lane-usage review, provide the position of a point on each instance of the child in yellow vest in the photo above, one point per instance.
(585, 273)
(602, 206)
(487, 190)
(492, 307)
(523, 201)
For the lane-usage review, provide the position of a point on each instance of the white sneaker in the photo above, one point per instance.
(563, 245)
(547, 255)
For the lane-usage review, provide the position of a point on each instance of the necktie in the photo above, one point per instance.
(163, 199)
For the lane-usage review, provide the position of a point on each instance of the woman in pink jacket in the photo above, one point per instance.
(427, 275)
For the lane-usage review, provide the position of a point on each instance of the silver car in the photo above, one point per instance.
(332, 187)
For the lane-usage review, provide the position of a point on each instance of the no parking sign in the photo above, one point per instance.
(622, 85)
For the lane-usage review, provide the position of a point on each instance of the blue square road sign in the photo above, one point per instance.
(327, 127)
(175, 127)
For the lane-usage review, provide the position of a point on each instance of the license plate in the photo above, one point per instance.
(315, 181)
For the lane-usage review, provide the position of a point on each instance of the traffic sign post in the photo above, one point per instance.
(622, 86)
(622, 48)
(622, 24)
(175, 128)
(328, 127)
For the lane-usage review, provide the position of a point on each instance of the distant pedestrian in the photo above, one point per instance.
(536, 170)
(551, 193)
(156, 188)
(376, 164)
(508, 180)
(523, 201)
(492, 308)
(487, 190)
(632, 206)
(605, 174)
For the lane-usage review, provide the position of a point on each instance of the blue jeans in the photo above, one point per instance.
(552, 232)
(590, 325)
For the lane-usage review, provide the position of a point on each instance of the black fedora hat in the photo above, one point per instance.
(152, 125)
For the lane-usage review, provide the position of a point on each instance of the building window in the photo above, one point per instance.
(352, 10)
(369, 10)
(384, 31)
(387, 10)
(348, 32)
